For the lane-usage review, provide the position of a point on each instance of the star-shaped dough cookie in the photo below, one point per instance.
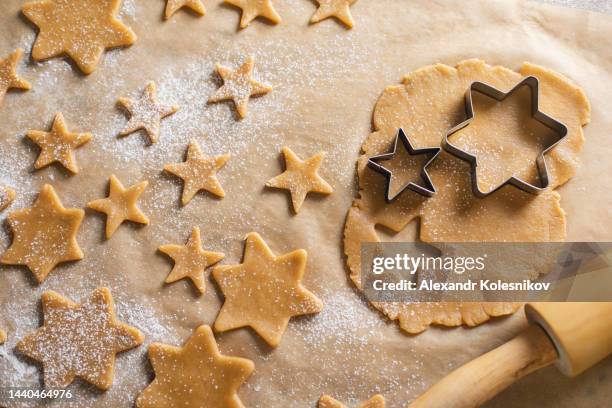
(8, 74)
(174, 5)
(120, 205)
(377, 401)
(198, 172)
(79, 340)
(146, 113)
(191, 260)
(264, 291)
(300, 177)
(82, 29)
(7, 196)
(57, 146)
(44, 235)
(195, 375)
(239, 86)
(251, 9)
(339, 9)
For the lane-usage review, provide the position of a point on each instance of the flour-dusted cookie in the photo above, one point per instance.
(239, 86)
(198, 172)
(79, 340)
(264, 291)
(7, 196)
(300, 177)
(172, 6)
(196, 375)
(120, 205)
(251, 9)
(377, 401)
(339, 9)
(44, 235)
(81, 29)
(58, 145)
(190, 260)
(8, 74)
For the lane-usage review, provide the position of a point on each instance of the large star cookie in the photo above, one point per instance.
(79, 340)
(251, 9)
(82, 29)
(377, 401)
(190, 260)
(57, 145)
(300, 177)
(7, 196)
(195, 375)
(8, 74)
(174, 5)
(44, 235)
(264, 291)
(120, 205)
(239, 86)
(339, 9)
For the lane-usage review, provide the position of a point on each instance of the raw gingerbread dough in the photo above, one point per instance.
(8, 74)
(251, 9)
(377, 401)
(7, 196)
(428, 103)
(174, 5)
(339, 9)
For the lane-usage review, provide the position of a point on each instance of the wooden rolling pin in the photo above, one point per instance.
(574, 336)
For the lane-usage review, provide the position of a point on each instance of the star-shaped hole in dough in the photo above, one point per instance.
(377, 401)
(191, 260)
(146, 113)
(44, 235)
(264, 291)
(81, 29)
(174, 5)
(196, 375)
(339, 9)
(300, 177)
(57, 145)
(198, 172)
(8, 74)
(251, 9)
(239, 86)
(120, 205)
(79, 340)
(7, 196)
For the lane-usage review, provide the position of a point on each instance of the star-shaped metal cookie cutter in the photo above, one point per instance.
(428, 190)
(557, 127)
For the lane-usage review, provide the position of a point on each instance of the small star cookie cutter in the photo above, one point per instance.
(428, 190)
(557, 127)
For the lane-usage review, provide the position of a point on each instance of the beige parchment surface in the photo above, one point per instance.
(327, 80)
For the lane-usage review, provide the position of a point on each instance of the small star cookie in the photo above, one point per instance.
(7, 196)
(44, 235)
(79, 340)
(195, 375)
(82, 29)
(146, 113)
(174, 5)
(239, 86)
(198, 172)
(339, 9)
(300, 177)
(251, 9)
(377, 401)
(2, 336)
(120, 205)
(264, 291)
(190, 260)
(8, 74)
(57, 145)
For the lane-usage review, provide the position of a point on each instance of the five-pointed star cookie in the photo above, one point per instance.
(7, 196)
(190, 260)
(146, 113)
(195, 375)
(300, 177)
(79, 340)
(8, 74)
(198, 172)
(57, 146)
(377, 401)
(239, 86)
(264, 291)
(44, 235)
(174, 5)
(82, 29)
(339, 9)
(251, 9)
(120, 205)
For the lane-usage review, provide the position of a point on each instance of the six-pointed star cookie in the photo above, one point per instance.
(339, 9)
(300, 177)
(198, 172)
(82, 29)
(377, 401)
(79, 340)
(44, 235)
(239, 86)
(120, 205)
(251, 9)
(264, 291)
(57, 145)
(8, 74)
(195, 375)
(146, 113)
(190, 260)
(174, 5)
(7, 195)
